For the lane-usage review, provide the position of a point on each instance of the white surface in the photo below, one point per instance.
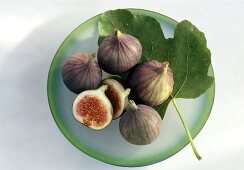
(30, 33)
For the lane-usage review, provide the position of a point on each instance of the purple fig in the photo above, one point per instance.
(140, 124)
(152, 82)
(81, 72)
(119, 52)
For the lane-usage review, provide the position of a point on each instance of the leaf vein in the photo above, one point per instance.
(110, 22)
(163, 104)
(152, 48)
(187, 65)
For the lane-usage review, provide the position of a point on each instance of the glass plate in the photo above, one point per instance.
(108, 145)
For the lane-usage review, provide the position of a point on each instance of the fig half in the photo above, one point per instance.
(152, 82)
(93, 109)
(119, 52)
(117, 95)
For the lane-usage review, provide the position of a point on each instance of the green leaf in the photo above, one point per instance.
(189, 60)
(113, 20)
(162, 108)
(146, 29)
(187, 52)
(151, 37)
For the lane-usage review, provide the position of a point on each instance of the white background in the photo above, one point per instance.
(31, 32)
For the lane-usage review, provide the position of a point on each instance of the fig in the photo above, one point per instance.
(117, 95)
(119, 52)
(81, 72)
(140, 124)
(93, 109)
(152, 82)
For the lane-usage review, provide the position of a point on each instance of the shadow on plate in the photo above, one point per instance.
(33, 136)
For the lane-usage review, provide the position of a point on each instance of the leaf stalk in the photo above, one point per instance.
(186, 129)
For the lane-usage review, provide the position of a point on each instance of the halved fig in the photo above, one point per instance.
(93, 109)
(117, 95)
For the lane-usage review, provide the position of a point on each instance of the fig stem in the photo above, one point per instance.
(94, 54)
(186, 129)
(117, 33)
(127, 91)
(103, 88)
(165, 65)
(132, 105)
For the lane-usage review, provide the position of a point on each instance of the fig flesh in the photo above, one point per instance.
(93, 109)
(140, 124)
(119, 52)
(117, 95)
(81, 72)
(152, 82)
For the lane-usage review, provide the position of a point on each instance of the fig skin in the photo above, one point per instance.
(93, 109)
(152, 82)
(140, 124)
(119, 52)
(81, 72)
(117, 95)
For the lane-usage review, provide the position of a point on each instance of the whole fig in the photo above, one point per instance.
(119, 52)
(81, 72)
(140, 124)
(152, 82)
(93, 109)
(117, 95)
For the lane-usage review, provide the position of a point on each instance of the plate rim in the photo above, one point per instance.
(105, 158)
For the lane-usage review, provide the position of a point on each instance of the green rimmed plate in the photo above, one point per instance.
(108, 145)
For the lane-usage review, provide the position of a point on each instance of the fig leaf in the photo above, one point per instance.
(161, 109)
(189, 60)
(113, 20)
(187, 52)
(146, 29)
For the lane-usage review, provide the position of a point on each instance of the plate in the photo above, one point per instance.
(108, 145)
